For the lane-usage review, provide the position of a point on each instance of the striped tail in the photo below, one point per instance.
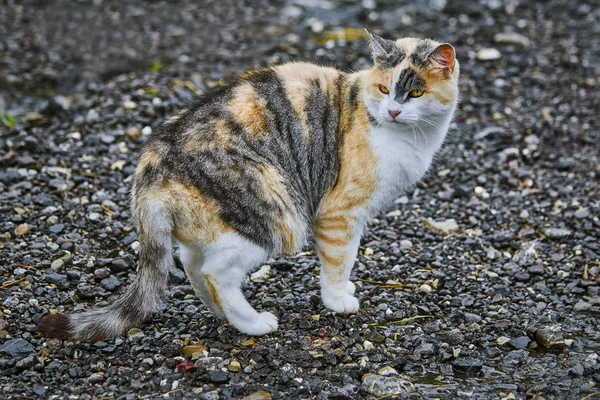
(140, 300)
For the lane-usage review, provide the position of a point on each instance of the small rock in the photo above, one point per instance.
(406, 244)
(564, 163)
(17, 348)
(489, 54)
(101, 273)
(511, 38)
(234, 366)
(582, 306)
(448, 226)
(426, 349)
(218, 377)
(147, 362)
(261, 395)
(550, 337)
(57, 279)
(387, 371)
(195, 348)
(95, 378)
(262, 274)
(467, 366)
(186, 366)
(368, 345)
(176, 275)
(26, 362)
(135, 333)
(22, 230)
(425, 288)
(557, 233)
(582, 213)
(110, 283)
(520, 342)
(57, 264)
(502, 340)
(385, 385)
(134, 133)
(472, 318)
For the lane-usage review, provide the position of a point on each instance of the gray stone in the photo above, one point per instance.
(17, 347)
(378, 385)
(110, 283)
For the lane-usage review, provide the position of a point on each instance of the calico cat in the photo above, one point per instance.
(255, 166)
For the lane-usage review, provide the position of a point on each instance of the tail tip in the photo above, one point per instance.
(55, 326)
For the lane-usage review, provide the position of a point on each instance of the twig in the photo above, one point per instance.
(402, 321)
(589, 396)
(383, 284)
(6, 285)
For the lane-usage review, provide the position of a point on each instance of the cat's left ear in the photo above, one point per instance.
(443, 57)
(380, 48)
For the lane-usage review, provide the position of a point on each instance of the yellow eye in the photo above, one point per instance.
(383, 89)
(416, 93)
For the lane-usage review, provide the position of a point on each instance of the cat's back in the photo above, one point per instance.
(261, 148)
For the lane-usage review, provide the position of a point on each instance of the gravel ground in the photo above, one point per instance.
(481, 284)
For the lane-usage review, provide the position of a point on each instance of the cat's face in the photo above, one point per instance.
(413, 84)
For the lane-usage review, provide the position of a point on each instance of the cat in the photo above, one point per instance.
(256, 165)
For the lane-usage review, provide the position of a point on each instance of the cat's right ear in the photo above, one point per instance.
(380, 48)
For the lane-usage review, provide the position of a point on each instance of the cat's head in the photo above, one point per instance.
(413, 81)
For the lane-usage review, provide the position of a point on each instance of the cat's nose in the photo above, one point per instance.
(394, 113)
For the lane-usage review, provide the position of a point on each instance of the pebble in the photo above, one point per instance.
(95, 378)
(378, 385)
(387, 371)
(425, 288)
(520, 342)
(17, 348)
(557, 233)
(489, 54)
(511, 38)
(260, 395)
(447, 226)
(134, 133)
(218, 377)
(582, 306)
(234, 366)
(22, 230)
(467, 366)
(26, 362)
(550, 337)
(262, 274)
(192, 349)
(57, 264)
(502, 340)
(134, 333)
(110, 283)
(406, 244)
(368, 345)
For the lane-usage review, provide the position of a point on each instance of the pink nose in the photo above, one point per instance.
(394, 113)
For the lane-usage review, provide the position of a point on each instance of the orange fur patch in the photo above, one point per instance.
(213, 292)
(248, 109)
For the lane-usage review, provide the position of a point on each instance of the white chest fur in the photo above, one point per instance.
(404, 156)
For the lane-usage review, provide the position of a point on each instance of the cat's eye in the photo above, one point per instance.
(383, 89)
(416, 93)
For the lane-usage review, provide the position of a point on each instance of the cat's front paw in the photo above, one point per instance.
(350, 288)
(263, 324)
(343, 303)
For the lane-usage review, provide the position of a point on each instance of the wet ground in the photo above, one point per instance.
(501, 302)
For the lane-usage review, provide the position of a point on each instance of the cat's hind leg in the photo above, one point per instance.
(192, 259)
(225, 264)
(337, 240)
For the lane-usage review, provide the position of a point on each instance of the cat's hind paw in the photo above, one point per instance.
(343, 304)
(263, 324)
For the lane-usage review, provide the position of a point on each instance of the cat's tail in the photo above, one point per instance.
(141, 299)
